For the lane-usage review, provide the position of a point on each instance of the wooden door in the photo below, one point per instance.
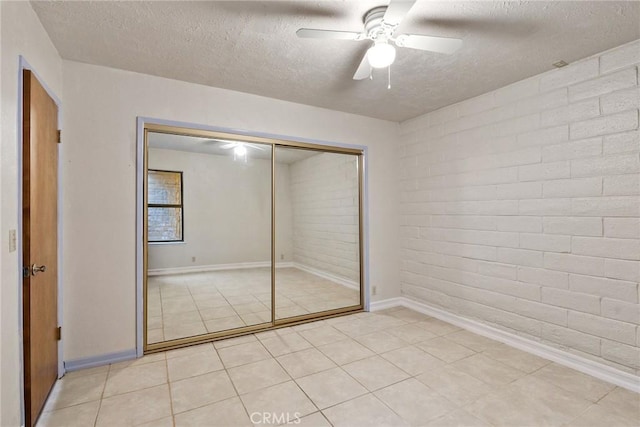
(40, 242)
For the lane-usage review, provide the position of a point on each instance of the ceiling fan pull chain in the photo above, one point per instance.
(389, 77)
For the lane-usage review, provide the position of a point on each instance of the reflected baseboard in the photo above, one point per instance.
(215, 267)
(332, 277)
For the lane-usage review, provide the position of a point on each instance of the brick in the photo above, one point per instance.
(572, 150)
(574, 264)
(573, 339)
(603, 85)
(544, 171)
(628, 249)
(508, 287)
(571, 113)
(605, 206)
(623, 270)
(493, 269)
(626, 355)
(517, 125)
(520, 257)
(603, 287)
(573, 226)
(584, 187)
(621, 142)
(552, 135)
(621, 310)
(471, 222)
(623, 100)
(546, 243)
(476, 105)
(443, 115)
(545, 312)
(620, 57)
(604, 125)
(519, 223)
(624, 228)
(601, 327)
(572, 300)
(621, 185)
(490, 238)
(519, 190)
(573, 73)
(545, 207)
(608, 165)
(543, 277)
(542, 102)
(497, 207)
(517, 91)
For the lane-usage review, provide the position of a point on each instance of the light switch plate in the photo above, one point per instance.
(12, 240)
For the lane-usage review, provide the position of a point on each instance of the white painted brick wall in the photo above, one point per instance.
(522, 208)
(324, 197)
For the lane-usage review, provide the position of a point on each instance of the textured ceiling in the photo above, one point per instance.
(252, 47)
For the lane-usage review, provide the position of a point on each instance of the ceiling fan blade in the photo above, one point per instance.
(397, 10)
(309, 33)
(364, 69)
(434, 44)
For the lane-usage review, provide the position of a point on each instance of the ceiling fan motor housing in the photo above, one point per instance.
(375, 27)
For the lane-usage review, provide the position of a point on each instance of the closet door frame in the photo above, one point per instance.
(146, 125)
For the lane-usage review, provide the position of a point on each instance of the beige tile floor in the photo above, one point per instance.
(390, 368)
(185, 305)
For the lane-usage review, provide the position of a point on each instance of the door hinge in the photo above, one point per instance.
(59, 136)
(59, 333)
(26, 272)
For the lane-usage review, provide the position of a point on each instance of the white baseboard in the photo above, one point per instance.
(215, 267)
(104, 359)
(587, 366)
(337, 279)
(386, 303)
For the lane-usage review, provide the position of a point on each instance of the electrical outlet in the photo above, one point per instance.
(374, 290)
(12, 240)
(193, 259)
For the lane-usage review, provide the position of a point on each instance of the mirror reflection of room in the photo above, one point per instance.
(214, 275)
(209, 232)
(317, 220)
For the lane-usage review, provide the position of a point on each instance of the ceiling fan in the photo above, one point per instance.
(380, 24)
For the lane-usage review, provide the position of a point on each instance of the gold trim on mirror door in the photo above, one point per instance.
(274, 323)
(273, 235)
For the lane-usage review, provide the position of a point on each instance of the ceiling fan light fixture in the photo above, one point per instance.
(381, 54)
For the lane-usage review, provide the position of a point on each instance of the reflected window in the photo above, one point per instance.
(165, 207)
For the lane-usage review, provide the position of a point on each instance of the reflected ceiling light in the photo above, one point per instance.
(240, 150)
(381, 54)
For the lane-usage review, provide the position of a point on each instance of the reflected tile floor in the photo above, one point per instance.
(336, 372)
(184, 305)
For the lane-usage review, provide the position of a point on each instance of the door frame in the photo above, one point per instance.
(24, 65)
(142, 122)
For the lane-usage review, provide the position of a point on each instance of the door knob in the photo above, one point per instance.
(35, 269)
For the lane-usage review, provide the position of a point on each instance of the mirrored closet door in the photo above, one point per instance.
(243, 234)
(317, 232)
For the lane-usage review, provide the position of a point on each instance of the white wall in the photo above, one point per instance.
(21, 34)
(520, 208)
(99, 178)
(324, 196)
(227, 210)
